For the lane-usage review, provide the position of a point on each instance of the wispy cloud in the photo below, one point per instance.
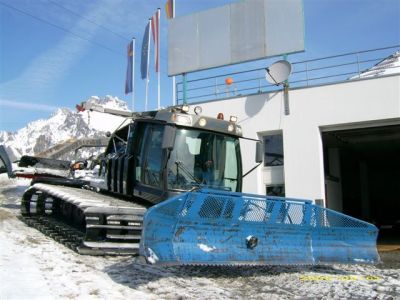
(45, 72)
(27, 105)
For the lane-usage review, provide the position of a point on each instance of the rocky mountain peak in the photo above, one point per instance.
(63, 124)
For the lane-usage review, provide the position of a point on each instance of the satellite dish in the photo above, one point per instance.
(278, 72)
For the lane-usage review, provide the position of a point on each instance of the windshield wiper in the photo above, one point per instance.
(182, 166)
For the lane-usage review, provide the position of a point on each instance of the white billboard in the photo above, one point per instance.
(235, 33)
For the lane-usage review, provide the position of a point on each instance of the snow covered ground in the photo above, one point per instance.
(33, 266)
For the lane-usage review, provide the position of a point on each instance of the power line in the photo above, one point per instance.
(88, 20)
(59, 27)
(72, 33)
(99, 25)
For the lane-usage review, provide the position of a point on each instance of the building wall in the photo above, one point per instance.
(349, 105)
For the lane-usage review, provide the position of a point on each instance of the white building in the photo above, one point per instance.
(340, 143)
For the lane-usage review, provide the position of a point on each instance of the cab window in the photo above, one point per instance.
(149, 154)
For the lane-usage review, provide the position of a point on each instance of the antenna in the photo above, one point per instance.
(278, 72)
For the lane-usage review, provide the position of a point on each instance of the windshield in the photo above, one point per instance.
(204, 158)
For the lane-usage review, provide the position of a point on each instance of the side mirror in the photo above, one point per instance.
(259, 152)
(168, 141)
(5, 163)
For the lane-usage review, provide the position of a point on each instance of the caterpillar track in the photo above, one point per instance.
(83, 220)
(67, 235)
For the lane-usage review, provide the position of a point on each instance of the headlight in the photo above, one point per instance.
(185, 108)
(202, 122)
(181, 119)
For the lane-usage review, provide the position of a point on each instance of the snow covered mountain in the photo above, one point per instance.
(390, 65)
(387, 66)
(62, 125)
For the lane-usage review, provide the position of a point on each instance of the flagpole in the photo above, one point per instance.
(133, 72)
(158, 57)
(173, 77)
(148, 60)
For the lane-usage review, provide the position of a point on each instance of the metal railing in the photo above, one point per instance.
(326, 70)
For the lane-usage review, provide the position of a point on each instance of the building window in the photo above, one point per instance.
(273, 150)
(275, 190)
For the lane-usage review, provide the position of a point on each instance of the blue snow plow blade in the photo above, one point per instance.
(223, 228)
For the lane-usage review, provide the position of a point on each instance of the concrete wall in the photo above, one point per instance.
(351, 104)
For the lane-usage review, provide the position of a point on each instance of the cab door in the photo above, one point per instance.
(149, 157)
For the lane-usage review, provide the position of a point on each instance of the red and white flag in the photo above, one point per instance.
(169, 9)
(155, 29)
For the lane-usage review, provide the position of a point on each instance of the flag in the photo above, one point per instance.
(169, 9)
(129, 69)
(145, 53)
(155, 26)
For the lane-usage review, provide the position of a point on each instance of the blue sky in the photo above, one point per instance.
(45, 66)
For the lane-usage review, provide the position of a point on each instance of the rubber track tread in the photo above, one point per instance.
(60, 232)
(90, 201)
